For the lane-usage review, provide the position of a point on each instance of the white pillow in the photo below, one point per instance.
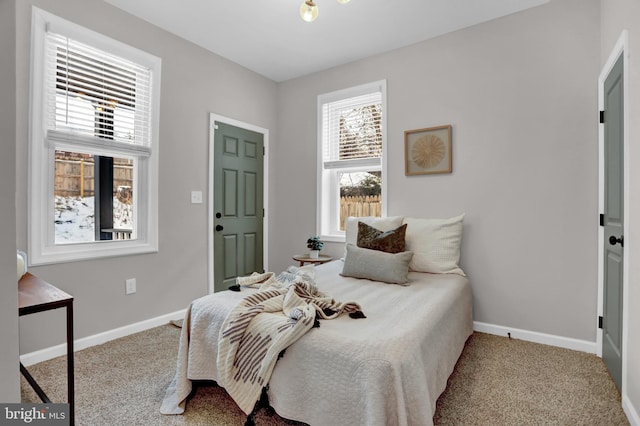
(382, 223)
(435, 244)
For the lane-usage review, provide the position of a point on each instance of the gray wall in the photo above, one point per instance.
(9, 383)
(521, 95)
(616, 16)
(194, 84)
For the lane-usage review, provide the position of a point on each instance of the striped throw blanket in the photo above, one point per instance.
(265, 323)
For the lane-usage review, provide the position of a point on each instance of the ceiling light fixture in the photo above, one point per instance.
(309, 10)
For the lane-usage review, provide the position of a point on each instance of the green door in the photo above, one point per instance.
(238, 204)
(613, 222)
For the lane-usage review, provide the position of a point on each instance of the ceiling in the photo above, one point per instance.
(270, 38)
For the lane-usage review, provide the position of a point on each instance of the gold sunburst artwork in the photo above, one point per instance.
(428, 151)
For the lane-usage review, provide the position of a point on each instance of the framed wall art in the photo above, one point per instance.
(427, 151)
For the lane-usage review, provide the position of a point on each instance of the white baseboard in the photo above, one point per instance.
(630, 411)
(100, 338)
(533, 336)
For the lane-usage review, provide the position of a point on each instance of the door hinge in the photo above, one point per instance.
(264, 150)
(601, 219)
(601, 116)
(600, 322)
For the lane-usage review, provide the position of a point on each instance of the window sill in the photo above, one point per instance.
(89, 251)
(333, 238)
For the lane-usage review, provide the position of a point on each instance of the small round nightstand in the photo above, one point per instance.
(304, 258)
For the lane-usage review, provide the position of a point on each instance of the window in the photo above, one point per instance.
(352, 145)
(94, 158)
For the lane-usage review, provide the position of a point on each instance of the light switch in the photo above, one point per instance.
(196, 197)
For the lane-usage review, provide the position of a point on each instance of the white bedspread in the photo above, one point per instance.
(387, 369)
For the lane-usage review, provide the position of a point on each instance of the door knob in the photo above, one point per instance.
(613, 240)
(220, 228)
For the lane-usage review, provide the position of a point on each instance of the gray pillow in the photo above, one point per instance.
(376, 265)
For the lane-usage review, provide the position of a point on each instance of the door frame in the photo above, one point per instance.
(620, 50)
(265, 183)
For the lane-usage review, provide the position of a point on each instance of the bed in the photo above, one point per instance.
(386, 369)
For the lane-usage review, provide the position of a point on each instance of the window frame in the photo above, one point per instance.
(328, 214)
(41, 229)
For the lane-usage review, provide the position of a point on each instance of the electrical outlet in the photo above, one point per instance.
(130, 286)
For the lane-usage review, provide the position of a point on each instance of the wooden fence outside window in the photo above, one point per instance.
(74, 175)
(359, 207)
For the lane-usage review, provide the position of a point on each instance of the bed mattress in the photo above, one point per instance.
(387, 369)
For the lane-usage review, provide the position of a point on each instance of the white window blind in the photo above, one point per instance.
(96, 99)
(352, 130)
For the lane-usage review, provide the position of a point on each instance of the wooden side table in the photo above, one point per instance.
(304, 258)
(36, 295)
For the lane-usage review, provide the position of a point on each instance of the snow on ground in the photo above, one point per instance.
(74, 218)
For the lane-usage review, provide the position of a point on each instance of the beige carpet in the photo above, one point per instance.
(497, 381)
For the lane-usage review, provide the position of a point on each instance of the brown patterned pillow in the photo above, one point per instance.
(374, 239)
